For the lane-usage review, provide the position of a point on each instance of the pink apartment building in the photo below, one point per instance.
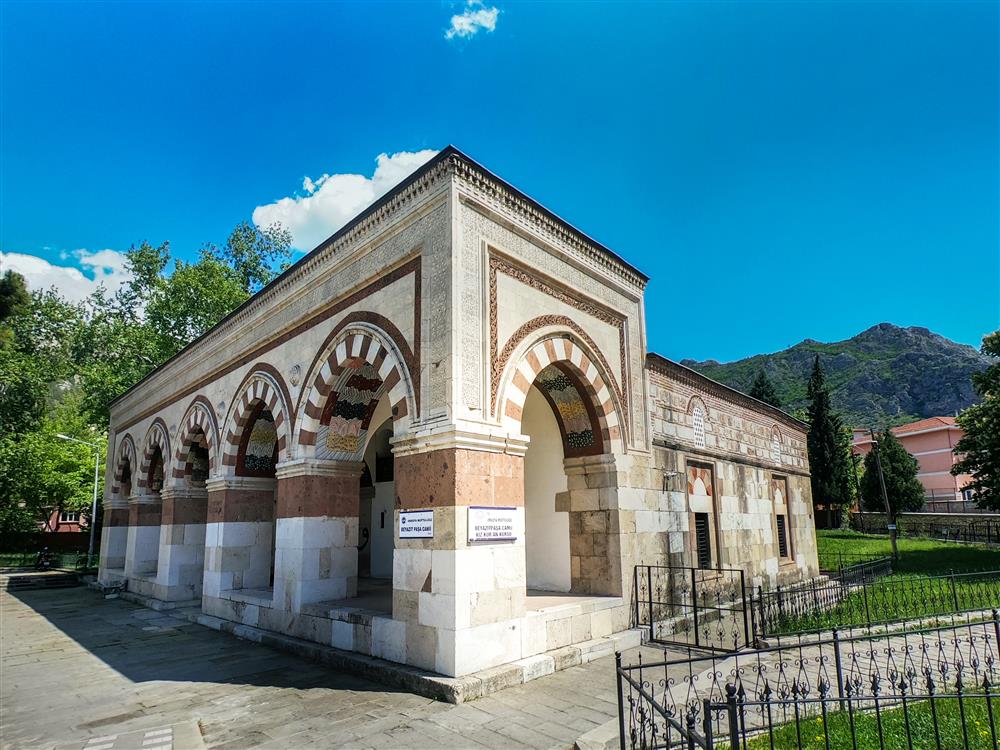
(932, 442)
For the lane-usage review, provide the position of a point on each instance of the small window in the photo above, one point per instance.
(967, 496)
(69, 517)
(703, 541)
(698, 421)
(775, 446)
(782, 536)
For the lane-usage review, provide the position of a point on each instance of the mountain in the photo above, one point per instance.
(886, 375)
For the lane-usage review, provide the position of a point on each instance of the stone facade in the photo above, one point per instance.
(263, 471)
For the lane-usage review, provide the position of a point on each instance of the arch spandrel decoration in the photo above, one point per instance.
(157, 440)
(361, 365)
(260, 406)
(125, 461)
(199, 424)
(566, 375)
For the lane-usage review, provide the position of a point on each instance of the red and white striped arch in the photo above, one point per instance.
(199, 417)
(156, 437)
(560, 348)
(258, 388)
(126, 457)
(357, 345)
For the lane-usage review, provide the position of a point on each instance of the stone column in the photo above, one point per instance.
(316, 555)
(595, 533)
(114, 540)
(462, 602)
(182, 543)
(239, 533)
(143, 546)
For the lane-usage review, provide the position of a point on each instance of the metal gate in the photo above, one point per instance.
(701, 607)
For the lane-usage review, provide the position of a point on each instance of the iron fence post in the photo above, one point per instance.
(649, 593)
(996, 629)
(734, 719)
(763, 622)
(839, 667)
(746, 624)
(864, 591)
(694, 605)
(635, 598)
(707, 724)
(621, 702)
(954, 591)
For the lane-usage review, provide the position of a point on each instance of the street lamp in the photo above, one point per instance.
(93, 507)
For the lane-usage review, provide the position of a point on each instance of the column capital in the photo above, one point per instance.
(115, 503)
(472, 437)
(214, 484)
(180, 491)
(301, 467)
(145, 498)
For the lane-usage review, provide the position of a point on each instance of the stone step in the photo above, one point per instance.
(41, 581)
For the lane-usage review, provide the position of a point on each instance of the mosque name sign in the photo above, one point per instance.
(491, 524)
(416, 524)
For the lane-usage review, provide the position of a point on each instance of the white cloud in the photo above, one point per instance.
(330, 201)
(107, 267)
(476, 17)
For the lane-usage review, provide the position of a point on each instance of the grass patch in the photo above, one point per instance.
(893, 734)
(917, 555)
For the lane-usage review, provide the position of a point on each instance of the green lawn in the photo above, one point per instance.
(838, 728)
(916, 555)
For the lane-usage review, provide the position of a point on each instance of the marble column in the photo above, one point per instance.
(316, 553)
(114, 541)
(239, 534)
(143, 546)
(182, 542)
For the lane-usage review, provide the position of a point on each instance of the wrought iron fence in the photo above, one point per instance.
(76, 561)
(905, 688)
(702, 607)
(858, 600)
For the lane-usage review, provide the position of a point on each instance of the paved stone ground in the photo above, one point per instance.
(77, 669)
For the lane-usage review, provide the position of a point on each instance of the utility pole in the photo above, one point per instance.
(857, 488)
(885, 497)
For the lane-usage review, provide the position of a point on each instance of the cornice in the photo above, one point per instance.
(490, 189)
(686, 375)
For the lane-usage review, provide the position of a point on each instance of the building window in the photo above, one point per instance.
(703, 541)
(968, 496)
(782, 536)
(69, 517)
(698, 421)
(775, 446)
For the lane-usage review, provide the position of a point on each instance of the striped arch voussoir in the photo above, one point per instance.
(555, 351)
(257, 389)
(355, 347)
(198, 418)
(126, 455)
(156, 437)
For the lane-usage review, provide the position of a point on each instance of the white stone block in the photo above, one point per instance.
(342, 635)
(411, 566)
(389, 639)
(487, 646)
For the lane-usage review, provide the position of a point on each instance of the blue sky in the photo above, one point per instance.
(780, 170)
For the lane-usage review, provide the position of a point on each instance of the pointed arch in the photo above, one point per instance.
(262, 390)
(566, 372)
(157, 439)
(198, 419)
(357, 367)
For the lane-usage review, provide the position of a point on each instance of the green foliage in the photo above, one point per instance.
(829, 448)
(899, 470)
(917, 555)
(762, 389)
(62, 364)
(980, 446)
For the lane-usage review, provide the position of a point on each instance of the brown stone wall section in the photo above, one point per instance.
(144, 514)
(183, 510)
(458, 476)
(313, 496)
(116, 518)
(235, 505)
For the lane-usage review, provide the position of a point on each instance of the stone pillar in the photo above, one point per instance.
(239, 533)
(114, 540)
(143, 546)
(462, 602)
(182, 543)
(316, 554)
(595, 533)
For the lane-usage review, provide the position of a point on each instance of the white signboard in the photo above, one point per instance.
(491, 524)
(416, 524)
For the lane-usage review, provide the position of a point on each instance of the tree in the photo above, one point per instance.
(899, 469)
(980, 446)
(763, 390)
(253, 253)
(829, 451)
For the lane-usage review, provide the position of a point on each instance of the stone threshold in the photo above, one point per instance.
(419, 681)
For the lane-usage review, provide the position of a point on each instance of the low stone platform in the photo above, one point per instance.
(431, 685)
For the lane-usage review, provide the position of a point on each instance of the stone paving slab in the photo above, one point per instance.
(77, 667)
